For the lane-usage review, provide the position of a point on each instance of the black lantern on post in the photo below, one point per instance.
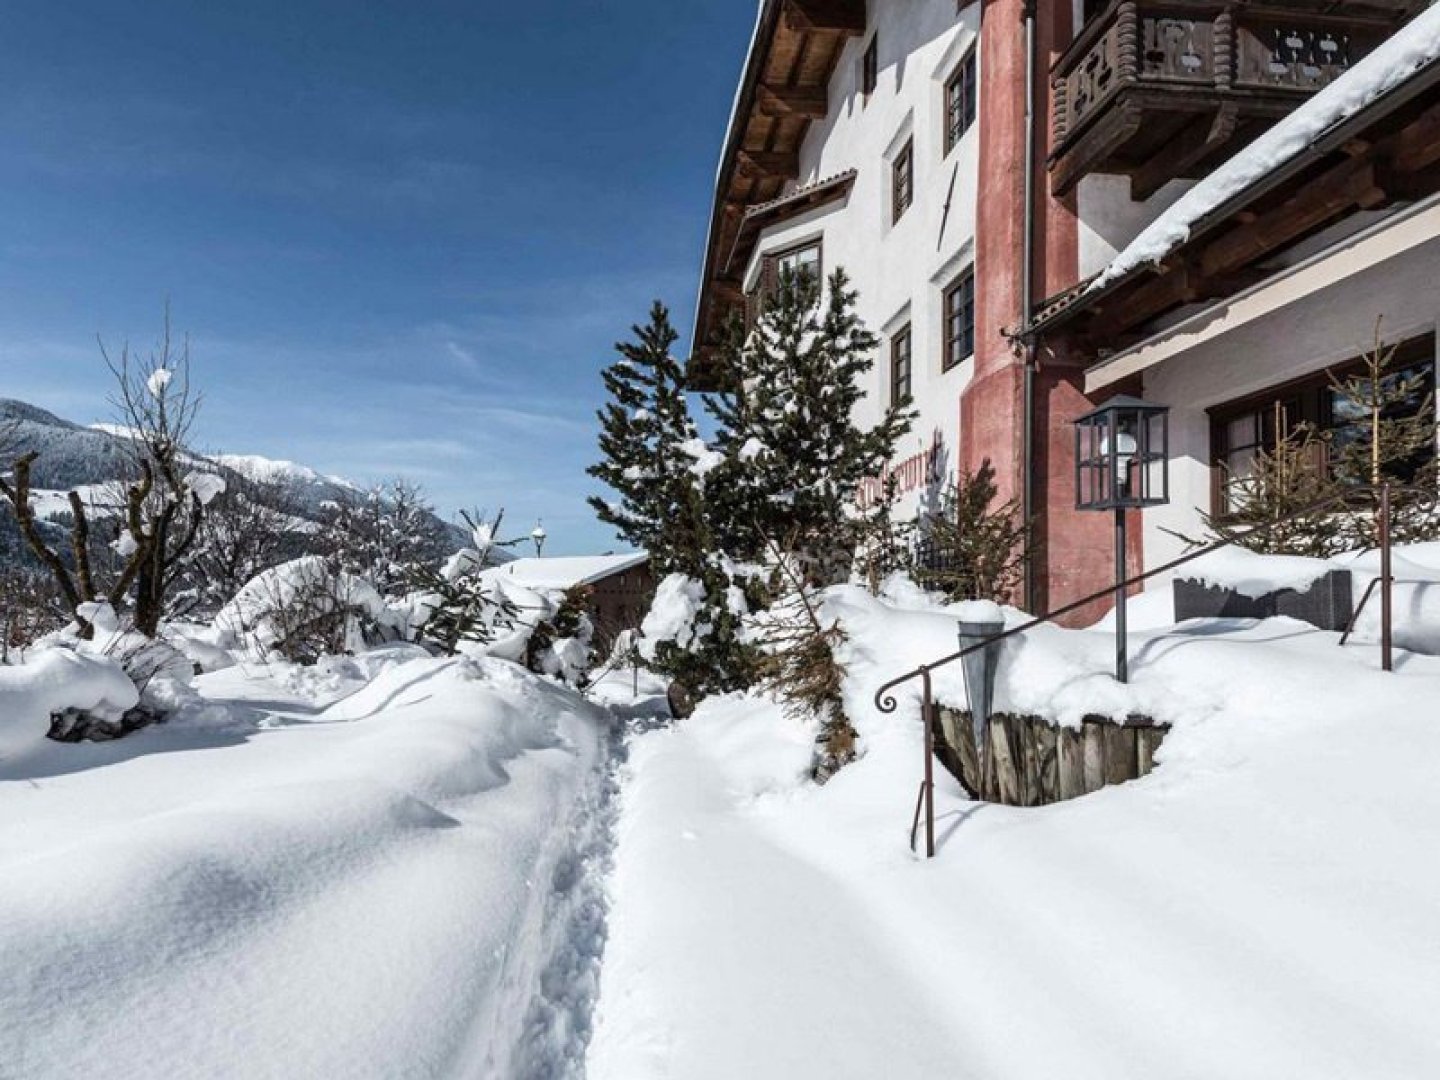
(1122, 453)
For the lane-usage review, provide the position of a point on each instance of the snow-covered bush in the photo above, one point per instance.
(559, 646)
(458, 605)
(75, 694)
(302, 610)
(694, 635)
(254, 525)
(31, 606)
(383, 535)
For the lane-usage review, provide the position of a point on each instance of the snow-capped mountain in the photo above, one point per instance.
(73, 456)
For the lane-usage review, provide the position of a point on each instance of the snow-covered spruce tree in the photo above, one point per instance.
(656, 462)
(793, 463)
(457, 603)
(798, 663)
(648, 443)
(970, 549)
(794, 457)
(560, 645)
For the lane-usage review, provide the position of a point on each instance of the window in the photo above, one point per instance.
(959, 319)
(1241, 430)
(802, 263)
(960, 101)
(902, 181)
(900, 366)
(870, 67)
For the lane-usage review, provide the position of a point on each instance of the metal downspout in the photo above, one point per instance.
(1027, 306)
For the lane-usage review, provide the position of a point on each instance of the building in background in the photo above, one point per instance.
(975, 168)
(621, 586)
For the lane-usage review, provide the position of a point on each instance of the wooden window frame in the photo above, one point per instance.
(870, 67)
(902, 366)
(902, 181)
(961, 94)
(768, 280)
(1305, 401)
(953, 354)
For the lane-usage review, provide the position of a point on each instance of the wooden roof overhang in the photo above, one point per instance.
(762, 216)
(784, 88)
(1388, 153)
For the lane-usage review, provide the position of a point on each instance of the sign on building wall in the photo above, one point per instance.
(924, 470)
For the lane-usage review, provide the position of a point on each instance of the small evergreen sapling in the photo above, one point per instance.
(1283, 505)
(970, 549)
(1387, 434)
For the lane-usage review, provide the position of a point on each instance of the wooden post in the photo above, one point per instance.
(1387, 659)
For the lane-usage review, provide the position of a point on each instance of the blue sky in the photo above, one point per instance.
(402, 236)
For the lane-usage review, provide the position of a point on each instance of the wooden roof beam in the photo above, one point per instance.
(832, 16)
(771, 163)
(1418, 145)
(1204, 137)
(1315, 205)
(808, 102)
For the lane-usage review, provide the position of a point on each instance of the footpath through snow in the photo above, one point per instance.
(1261, 906)
(404, 883)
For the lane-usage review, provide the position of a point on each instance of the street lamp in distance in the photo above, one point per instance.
(538, 536)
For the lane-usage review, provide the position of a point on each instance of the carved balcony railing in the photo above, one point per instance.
(1158, 91)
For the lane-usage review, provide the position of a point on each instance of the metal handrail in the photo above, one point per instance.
(886, 702)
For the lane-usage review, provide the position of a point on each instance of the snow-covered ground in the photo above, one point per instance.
(385, 867)
(391, 865)
(1260, 906)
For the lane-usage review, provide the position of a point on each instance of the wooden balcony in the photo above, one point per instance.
(1157, 91)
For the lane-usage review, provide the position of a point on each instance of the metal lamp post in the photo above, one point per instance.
(538, 535)
(1122, 453)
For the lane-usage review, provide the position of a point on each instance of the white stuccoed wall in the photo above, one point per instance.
(1327, 327)
(1109, 219)
(899, 271)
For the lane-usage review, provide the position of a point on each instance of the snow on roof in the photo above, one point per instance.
(567, 571)
(1409, 50)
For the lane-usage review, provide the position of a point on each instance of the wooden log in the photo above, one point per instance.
(1119, 754)
(1071, 763)
(1007, 778)
(987, 763)
(1094, 755)
(1022, 738)
(1046, 744)
(1148, 741)
(962, 738)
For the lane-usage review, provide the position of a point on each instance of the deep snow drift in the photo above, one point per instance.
(401, 882)
(1261, 906)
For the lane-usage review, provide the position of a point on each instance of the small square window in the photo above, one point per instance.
(900, 366)
(902, 181)
(870, 68)
(959, 319)
(960, 101)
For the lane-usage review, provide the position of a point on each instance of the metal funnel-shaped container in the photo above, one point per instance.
(980, 668)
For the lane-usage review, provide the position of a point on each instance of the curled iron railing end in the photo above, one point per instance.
(886, 703)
